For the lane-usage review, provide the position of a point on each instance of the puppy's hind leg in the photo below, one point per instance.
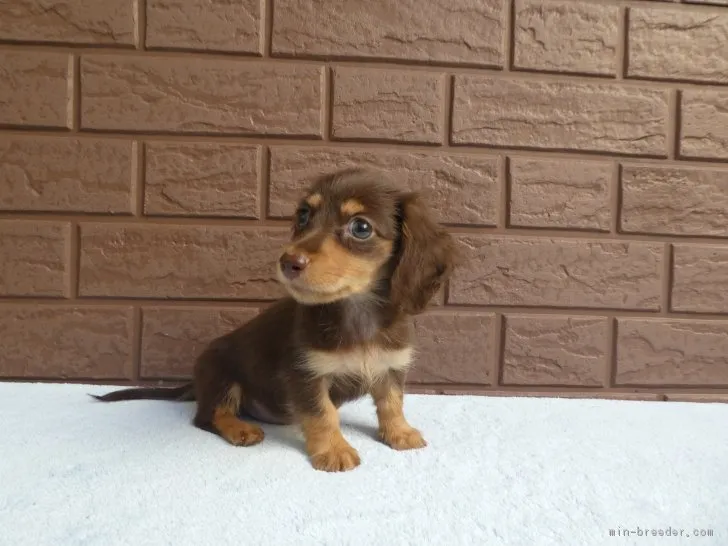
(219, 400)
(227, 424)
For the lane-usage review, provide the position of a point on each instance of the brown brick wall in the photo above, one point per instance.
(150, 151)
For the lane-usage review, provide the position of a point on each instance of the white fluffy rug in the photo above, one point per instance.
(522, 472)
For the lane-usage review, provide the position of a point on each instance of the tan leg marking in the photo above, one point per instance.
(327, 447)
(394, 429)
(234, 430)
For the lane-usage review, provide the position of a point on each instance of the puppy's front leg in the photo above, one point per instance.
(326, 446)
(388, 395)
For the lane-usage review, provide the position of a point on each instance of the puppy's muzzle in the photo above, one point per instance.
(292, 265)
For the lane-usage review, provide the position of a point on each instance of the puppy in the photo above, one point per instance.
(364, 258)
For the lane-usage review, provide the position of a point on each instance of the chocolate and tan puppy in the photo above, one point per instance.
(364, 258)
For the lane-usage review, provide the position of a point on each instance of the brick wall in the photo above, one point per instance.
(150, 151)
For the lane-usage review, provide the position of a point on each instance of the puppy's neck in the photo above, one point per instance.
(360, 319)
(364, 314)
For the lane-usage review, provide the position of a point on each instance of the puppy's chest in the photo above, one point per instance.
(367, 363)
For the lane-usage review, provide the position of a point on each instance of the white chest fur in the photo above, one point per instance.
(367, 363)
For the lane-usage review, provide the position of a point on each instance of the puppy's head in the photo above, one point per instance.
(355, 232)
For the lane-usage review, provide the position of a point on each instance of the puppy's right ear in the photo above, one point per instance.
(425, 256)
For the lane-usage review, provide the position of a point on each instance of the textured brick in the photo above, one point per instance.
(204, 24)
(34, 88)
(704, 129)
(198, 95)
(172, 338)
(453, 348)
(558, 272)
(669, 200)
(201, 180)
(672, 352)
(70, 21)
(166, 261)
(202, 149)
(554, 350)
(569, 116)
(566, 36)
(60, 341)
(60, 174)
(461, 188)
(558, 194)
(387, 105)
(32, 258)
(455, 31)
(680, 45)
(700, 278)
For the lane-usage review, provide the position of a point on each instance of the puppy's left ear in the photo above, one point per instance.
(425, 256)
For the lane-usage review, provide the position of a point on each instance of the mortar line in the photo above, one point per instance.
(264, 160)
(74, 94)
(615, 199)
(505, 192)
(499, 344)
(666, 280)
(327, 99)
(447, 109)
(610, 366)
(672, 122)
(509, 37)
(266, 10)
(140, 27)
(73, 259)
(138, 319)
(622, 52)
(138, 154)
(676, 127)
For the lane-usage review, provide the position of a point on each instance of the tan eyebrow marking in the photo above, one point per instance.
(351, 207)
(314, 200)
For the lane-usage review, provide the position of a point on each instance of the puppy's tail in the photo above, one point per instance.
(183, 393)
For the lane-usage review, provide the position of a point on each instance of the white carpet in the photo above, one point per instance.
(522, 472)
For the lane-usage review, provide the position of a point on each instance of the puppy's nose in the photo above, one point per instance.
(293, 264)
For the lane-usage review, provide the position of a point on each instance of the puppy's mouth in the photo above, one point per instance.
(303, 292)
(306, 295)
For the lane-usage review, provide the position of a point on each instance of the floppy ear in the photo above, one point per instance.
(425, 256)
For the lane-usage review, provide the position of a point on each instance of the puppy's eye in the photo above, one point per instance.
(360, 228)
(303, 215)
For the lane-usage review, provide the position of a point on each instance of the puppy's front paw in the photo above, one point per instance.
(402, 438)
(339, 458)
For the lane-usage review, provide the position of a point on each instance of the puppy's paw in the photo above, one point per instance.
(339, 458)
(403, 438)
(244, 434)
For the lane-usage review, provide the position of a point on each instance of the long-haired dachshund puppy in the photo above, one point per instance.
(364, 258)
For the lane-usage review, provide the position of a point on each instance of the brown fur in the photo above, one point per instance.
(344, 331)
